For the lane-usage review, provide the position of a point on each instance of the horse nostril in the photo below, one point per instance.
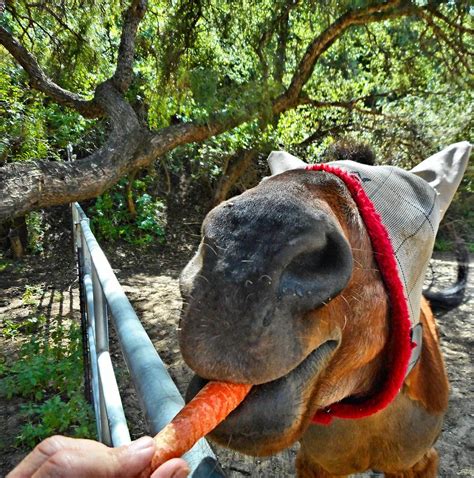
(267, 320)
(317, 274)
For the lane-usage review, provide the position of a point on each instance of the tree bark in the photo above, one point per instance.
(18, 237)
(132, 209)
(235, 169)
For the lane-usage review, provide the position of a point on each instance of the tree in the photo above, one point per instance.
(170, 74)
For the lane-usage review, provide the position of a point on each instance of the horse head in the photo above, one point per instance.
(286, 292)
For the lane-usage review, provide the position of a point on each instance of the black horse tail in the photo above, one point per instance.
(452, 296)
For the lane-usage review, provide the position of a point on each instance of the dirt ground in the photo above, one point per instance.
(150, 279)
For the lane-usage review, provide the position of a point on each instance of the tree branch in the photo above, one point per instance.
(39, 184)
(132, 18)
(454, 25)
(438, 32)
(279, 19)
(236, 166)
(121, 78)
(31, 185)
(40, 81)
(324, 132)
(281, 53)
(372, 13)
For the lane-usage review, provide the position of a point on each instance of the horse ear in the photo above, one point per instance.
(444, 171)
(281, 161)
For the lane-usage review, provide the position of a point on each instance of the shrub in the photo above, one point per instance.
(111, 218)
(46, 374)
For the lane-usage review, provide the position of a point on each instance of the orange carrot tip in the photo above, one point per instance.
(200, 416)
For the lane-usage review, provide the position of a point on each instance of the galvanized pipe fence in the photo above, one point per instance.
(103, 300)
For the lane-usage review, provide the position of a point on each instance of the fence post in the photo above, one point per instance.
(79, 255)
(101, 345)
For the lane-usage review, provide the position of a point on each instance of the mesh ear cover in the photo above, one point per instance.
(401, 211)
(393, 232)
(409, 210)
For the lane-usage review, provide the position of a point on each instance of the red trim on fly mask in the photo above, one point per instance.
(399, 320)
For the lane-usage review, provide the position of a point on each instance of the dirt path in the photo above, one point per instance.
(155, 295)
(151, 282)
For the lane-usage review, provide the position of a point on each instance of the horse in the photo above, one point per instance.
(300, 287)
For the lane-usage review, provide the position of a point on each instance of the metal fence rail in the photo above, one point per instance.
(103, 297)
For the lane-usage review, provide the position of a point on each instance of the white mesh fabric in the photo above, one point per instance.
(409, 210)
(410, 203)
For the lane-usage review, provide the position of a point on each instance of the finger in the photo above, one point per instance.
(99, 461)
(41, 453)
(174, 468)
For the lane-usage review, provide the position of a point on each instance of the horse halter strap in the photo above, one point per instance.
(391, 200)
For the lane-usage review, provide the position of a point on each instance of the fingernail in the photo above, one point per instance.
(181, 473)
(141, 444)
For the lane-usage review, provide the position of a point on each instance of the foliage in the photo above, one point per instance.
(112, 220)
(442, 245)
(13, 328)
(459, 218)
(4, 264)
(55, 415)
(32, 128)
(47, 376)
(403, 86)
(31, 295)
(36, 229)
(194, 58)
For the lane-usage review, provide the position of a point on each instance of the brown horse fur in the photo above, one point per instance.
(215, 342)
(397, 440)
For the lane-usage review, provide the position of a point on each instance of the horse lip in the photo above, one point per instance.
(312, 364)
(325, 348)
(276, 410)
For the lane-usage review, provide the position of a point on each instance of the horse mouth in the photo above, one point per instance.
(275, 413)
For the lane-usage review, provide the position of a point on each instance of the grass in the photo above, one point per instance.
(443, 245)
(5, 264)
(46, 374)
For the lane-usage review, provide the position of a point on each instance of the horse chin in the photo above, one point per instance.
(274, 414)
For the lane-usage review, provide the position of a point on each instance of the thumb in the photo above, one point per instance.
(86, 458)
(131, 459)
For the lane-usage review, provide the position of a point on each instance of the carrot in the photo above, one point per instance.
(201, 415)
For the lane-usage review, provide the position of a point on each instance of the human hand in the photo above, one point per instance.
(59, 456)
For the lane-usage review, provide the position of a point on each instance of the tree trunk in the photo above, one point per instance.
(129, 194)
(18, 236)
(235, 169)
